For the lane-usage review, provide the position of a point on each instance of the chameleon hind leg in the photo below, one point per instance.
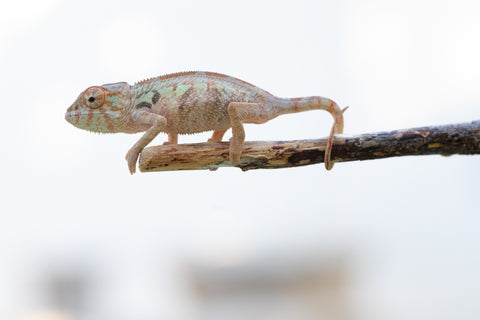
(240, 113)
(217, 135)
(172, 139)
(243, 112)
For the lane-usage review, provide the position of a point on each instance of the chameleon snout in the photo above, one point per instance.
(69, 115)
(73, 107)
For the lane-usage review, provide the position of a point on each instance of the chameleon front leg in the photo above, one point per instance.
(141, 117)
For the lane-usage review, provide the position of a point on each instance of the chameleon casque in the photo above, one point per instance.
(186, 103)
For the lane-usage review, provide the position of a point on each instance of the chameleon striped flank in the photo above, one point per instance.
(186, 103)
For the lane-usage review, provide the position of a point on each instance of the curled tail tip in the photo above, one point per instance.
(337, 128)
(328, 165)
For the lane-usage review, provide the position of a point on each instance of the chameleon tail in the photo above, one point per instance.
(337, 128)
(318, 103)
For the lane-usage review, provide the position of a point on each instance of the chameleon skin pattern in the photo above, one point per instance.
(195, 102)
(186, 103)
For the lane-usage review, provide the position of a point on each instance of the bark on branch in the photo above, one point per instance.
(461, 138)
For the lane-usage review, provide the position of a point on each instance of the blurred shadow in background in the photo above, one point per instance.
(286, 284)
(282, 285)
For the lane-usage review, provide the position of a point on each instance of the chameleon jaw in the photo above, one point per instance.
(94, 120)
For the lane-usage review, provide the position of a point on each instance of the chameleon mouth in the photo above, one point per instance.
(74, 116)
(81, 120)
(101, 122)
(70, 116)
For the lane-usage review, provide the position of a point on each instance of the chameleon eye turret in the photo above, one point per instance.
(102, 109)
(94, 97)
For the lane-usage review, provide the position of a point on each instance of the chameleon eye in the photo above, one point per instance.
(94, 97)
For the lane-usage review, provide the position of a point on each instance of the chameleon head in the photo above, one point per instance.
(101, 108)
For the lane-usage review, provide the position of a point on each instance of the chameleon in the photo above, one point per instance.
(187, 103)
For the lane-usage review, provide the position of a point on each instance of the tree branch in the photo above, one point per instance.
(461, 138)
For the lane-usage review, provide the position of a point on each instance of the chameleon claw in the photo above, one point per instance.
(131, 157)
(234, 158)
(235, 151)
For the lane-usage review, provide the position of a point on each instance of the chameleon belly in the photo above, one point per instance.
(195, 108)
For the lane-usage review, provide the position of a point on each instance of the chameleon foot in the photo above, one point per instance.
(131, 157)
(235, 152)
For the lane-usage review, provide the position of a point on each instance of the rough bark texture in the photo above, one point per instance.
(445, 140)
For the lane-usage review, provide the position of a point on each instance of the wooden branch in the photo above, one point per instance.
(445, 140)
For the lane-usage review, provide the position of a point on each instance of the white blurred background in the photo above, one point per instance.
(389, 239)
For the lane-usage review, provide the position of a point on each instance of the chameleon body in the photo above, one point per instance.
(186, 103)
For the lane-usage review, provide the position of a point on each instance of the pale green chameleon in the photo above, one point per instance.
(189, 102)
